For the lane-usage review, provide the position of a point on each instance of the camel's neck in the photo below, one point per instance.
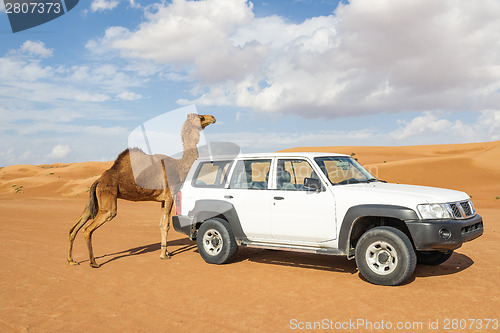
(188, 157)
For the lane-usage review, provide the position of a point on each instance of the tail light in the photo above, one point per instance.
(178, 203)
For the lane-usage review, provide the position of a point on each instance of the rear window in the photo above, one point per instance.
(211, 174)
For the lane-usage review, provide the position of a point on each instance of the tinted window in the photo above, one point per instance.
(211, 174)
(290, 174)
(251, 174)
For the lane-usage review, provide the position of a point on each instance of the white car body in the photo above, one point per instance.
(321, 203)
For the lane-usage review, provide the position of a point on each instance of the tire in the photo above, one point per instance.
(216, 242)
(385, 256)
(432, 258)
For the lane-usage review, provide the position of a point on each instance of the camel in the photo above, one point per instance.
(119, 182)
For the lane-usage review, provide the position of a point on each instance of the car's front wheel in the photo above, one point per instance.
(216, 242)
(433, 258)
(385, 256)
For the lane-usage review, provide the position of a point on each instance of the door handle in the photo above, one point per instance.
(228, 197)
(279, 198)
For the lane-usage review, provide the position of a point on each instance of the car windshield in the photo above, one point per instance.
(342, 170)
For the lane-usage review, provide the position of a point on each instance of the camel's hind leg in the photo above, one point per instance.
(74, 230)
(166, 215)
(107, 211)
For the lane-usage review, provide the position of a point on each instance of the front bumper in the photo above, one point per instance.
(443, 235)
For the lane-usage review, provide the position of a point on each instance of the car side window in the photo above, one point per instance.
(211, 174)
(251, 174)
(291, 173)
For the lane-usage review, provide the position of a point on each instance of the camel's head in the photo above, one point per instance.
(206, 120)
(194, 124)
(197, 120)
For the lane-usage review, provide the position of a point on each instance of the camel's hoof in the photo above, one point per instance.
(165, 257)
(73, 263)
(93, 265)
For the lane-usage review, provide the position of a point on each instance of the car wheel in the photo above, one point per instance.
(216, 242)
(385, 256)
(432, 258)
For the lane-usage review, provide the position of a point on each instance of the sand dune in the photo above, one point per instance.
(260, 291)
(379, 154)
(49, 181)
(472, 167)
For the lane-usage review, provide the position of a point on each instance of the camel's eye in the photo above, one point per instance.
(202, 118)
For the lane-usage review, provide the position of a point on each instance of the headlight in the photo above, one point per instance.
(433, 211)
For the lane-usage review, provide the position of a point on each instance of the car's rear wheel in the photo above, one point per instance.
(433, 258)
(216, 242)
(385, 256)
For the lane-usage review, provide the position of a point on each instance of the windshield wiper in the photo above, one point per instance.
(374, 180)
(349, 181)
(358, 181)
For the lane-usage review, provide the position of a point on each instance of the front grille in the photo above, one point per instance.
(466, 207)
(461, 210)
(455, 211)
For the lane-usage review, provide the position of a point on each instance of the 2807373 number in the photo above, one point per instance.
(469, 324)
(33, 8)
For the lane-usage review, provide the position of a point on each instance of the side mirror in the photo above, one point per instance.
(312, 183)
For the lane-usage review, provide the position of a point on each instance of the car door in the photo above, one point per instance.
(249, 194)
(299, 214)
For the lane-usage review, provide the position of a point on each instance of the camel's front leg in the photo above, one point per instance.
(166, 207)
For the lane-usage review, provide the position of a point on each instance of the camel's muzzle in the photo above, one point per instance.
(206, 120)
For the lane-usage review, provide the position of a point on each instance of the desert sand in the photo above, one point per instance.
(261, 291)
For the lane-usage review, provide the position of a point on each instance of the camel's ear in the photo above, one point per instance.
(192, 116)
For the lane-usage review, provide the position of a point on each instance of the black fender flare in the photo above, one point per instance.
(206, 209)
(354, 213)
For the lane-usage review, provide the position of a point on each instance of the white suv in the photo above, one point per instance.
(321, 203)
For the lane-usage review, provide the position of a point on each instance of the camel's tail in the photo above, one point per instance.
(93, 203)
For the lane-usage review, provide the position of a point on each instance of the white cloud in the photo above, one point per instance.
(421, 126)
(431, 128)
(134, 4)
(59, 151)
(104, 45)
(36, 49)
(237, 117)
(273, 140)
(102, 5)
(129, 96)
(195, 38)
(27, 79)
(426, 128)
(489, 124)
(372, 56)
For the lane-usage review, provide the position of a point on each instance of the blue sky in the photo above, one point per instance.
(275, 74)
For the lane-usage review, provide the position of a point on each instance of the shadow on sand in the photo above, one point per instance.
(457, 263)
(297, 259)
(185, 243)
